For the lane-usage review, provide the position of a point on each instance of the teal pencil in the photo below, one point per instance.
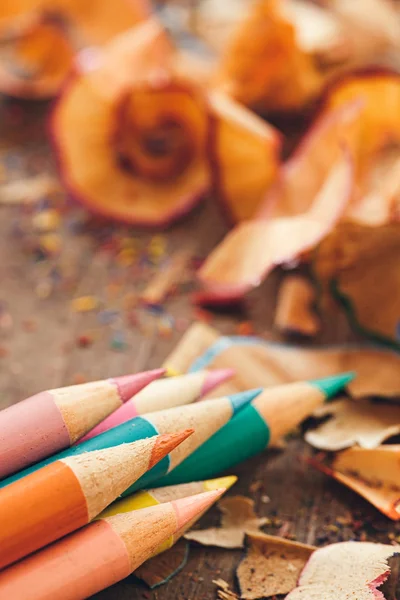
(271, 415)
(205, 417)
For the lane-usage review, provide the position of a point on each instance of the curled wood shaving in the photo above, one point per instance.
(364, 423)
(374, 473)
(272, 566)
(345, 571)
(238, 517)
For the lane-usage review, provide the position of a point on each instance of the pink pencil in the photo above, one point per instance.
(160, 395)
(101, 553)
(53, 420)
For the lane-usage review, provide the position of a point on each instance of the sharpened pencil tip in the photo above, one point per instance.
(129, 385)
(191, 507)
(240, 400)
(215, 378)
(331, 386)
(164, 444)
(220, 482)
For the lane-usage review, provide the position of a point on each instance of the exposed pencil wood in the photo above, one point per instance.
(67, 494)
(53, 420)
(101, 553)
(162, 394)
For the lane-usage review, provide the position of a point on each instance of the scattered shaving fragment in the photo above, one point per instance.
(272, 566)
(224, 592)
(294, 310)
(364, 423)
(161, 568)
(166, 278)
(28, 191)
(238, 517)
(345, 571)
(374, 473)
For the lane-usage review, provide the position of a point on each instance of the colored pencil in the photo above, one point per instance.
(270, 416)
(206, 417)
(146, 498)
(101, 553)
(162, 394)
(51, 421)
(69, 493)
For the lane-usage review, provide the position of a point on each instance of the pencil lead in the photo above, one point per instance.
(129, 385)
(331, 386)
(166, 443)
(188, 508)
(240, 400)
(215, 378)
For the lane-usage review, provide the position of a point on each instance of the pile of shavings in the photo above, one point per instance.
(275, 565)
(334, 209)
(167, 124)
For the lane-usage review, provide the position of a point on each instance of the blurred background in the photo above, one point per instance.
(234, 163)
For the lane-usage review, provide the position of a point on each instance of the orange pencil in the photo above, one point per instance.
(100, 554)
(51, 421)
(67, 494)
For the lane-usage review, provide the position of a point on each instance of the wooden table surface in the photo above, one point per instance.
(39, 350)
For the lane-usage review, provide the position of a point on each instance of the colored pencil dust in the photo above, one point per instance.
(162, 394)
(101, 553)
(51, 421)
(69, 493)
(152, 497)
(270, 416)
(206, 417)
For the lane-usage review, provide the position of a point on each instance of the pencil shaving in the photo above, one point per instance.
(359, 266)
(245, 157)
(41, 45)
(364, 423)
(294, 311)
(272, 565)
(261, 363)
(346, 570)
(284, 228)
(166, 279)
(262, 65)
(224, 592)
(238, 517)
(374, 473)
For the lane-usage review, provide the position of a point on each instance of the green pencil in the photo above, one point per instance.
(205, 417)
(271, 415)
